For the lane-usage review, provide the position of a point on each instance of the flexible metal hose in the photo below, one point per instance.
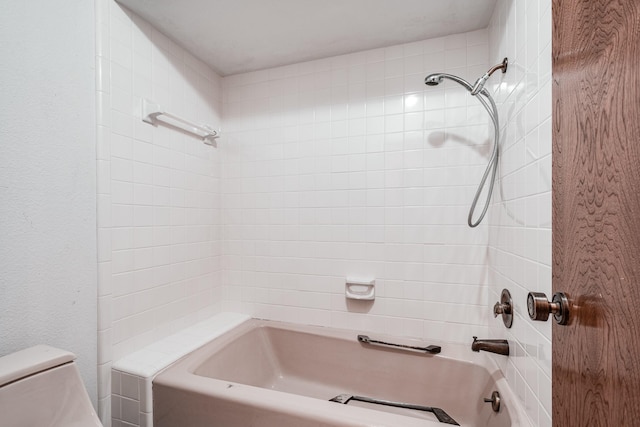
(489, 105)
(492, 166)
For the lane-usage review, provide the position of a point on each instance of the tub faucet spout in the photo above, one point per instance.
(492, 346)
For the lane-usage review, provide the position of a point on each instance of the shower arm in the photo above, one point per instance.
(478, 86)
(501, 66)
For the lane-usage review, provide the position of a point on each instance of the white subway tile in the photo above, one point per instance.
(121, 53)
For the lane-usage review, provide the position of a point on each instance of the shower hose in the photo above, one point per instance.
(482, 95)
(492, 166)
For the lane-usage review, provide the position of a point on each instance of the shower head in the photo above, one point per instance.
(433, 79)
(437, 78)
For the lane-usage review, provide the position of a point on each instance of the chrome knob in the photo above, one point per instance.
(540, 308)
(500, 308)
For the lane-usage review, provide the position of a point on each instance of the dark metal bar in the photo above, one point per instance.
(433, 349)
(440, 414)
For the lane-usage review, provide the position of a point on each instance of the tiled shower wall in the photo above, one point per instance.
(351, 167)
(520, 219)
(158, 192)
(343, 167)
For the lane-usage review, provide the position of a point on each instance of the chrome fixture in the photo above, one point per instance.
(539, 307)
(479, 84)
(492, 346)
(153, 113)
(495, 401)
(440, 414)
(433, 349)
(504, 307)
(489, 105)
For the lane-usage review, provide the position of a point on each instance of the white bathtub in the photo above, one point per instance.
(266, 373)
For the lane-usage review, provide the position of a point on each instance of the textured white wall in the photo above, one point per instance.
(47, 179)
(520, 232)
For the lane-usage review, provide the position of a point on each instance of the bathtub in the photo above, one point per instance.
(266, 373)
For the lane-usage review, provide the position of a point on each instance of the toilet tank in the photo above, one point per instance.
(41, 386)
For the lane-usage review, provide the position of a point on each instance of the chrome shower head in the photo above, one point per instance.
(437, 78)
(433, 79)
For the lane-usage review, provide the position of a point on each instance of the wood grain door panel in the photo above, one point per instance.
(596, 211)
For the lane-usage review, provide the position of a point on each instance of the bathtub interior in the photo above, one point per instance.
(321, 365)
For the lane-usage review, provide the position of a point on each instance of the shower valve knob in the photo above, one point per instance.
(501, 309)
(540, 308)
(504, 307)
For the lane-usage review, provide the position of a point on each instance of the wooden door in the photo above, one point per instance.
(596, 211)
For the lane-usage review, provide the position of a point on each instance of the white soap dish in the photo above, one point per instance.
(360, 289)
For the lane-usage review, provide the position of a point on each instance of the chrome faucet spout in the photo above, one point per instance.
(492, 346)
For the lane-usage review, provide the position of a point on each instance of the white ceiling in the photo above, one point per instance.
(235, 36)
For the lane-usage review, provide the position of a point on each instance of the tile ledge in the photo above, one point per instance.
(150, 360)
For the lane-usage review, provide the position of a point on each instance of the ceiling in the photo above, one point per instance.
(235, 36)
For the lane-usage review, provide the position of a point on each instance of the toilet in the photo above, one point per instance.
(41, 386)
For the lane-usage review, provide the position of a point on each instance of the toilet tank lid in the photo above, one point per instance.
(30, 361)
